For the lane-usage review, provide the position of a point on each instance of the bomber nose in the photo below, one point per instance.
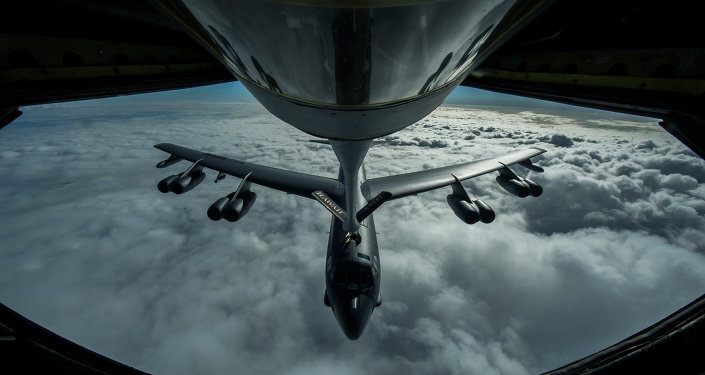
(353, 316)
(353, 329)
(352, 325)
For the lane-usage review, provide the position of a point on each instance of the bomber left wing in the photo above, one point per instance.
(418, 182)
(465, 206)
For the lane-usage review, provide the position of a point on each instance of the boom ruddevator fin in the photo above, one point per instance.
(330, 205)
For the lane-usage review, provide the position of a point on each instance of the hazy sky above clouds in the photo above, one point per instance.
(92, 251)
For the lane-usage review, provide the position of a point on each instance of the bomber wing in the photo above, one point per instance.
(402, 185)
(287, 181)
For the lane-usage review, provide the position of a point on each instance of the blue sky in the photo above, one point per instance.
(235, 91)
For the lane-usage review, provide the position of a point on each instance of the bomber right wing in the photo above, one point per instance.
(287, 181)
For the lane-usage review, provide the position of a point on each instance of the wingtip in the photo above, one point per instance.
(161, 146)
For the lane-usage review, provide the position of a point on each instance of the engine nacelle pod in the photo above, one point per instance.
(164, 185)
(248, 198)
(215, 211)
(486, 212)
(185, 183)
(536, 189)
(513, 186)
(463, 209)
(239, 207)
(232, 210)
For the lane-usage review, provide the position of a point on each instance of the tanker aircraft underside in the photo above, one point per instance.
(353, 266)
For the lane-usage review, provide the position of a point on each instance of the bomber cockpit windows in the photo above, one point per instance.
(352, 280)
(338, 277)
(365, 279)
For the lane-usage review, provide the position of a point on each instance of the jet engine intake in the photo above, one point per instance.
(486, 212)
(164, 185)
(536, 189)
(232, 208)
(215, 211)
(514, 186)
(463, 209)
(185, 183)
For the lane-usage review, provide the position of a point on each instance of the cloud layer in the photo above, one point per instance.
(94, 252)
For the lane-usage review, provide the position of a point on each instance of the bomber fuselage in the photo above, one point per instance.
(353, 268)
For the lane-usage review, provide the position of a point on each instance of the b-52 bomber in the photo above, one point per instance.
(353, 266)
(347, 74)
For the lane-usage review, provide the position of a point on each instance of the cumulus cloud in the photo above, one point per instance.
(561, 140)
(94, 252)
